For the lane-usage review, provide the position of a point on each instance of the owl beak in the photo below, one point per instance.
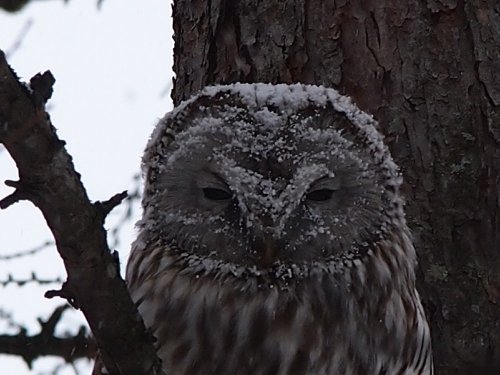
(265, 245)
(266, 250)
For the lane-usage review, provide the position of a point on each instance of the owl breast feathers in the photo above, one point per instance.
(273, 239)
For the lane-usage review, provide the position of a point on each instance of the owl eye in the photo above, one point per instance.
(215, 194)
(319, 195)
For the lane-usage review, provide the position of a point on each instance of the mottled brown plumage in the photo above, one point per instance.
(273, 239)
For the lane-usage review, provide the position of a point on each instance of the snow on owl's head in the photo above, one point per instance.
(270, 177)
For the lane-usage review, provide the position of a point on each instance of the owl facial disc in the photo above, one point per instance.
(267, 175)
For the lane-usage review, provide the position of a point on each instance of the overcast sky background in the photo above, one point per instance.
(113, 75)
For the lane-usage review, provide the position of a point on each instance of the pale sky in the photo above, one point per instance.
(112, 68)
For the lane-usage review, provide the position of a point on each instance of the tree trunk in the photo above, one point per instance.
(429, 72)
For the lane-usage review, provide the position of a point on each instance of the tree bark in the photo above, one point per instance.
(429, 72)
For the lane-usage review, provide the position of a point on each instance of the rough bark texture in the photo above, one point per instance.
(429, 72)
(48, 179)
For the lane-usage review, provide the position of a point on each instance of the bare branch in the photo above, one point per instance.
(107, 206)
(46, 343)
(126, 213)
(20, 38)
(34, 279)
(134, 195)
(24, 253)
(18, 195)
(48, 179)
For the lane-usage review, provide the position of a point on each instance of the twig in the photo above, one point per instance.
(24, 253)
(46, 343)
(20, 38)
(107, 206)
(34, 279)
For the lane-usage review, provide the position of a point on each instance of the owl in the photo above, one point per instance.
(273, 239)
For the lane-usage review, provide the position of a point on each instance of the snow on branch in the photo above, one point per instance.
(48, 179)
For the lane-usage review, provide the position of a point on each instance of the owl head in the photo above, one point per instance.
(269, 178)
